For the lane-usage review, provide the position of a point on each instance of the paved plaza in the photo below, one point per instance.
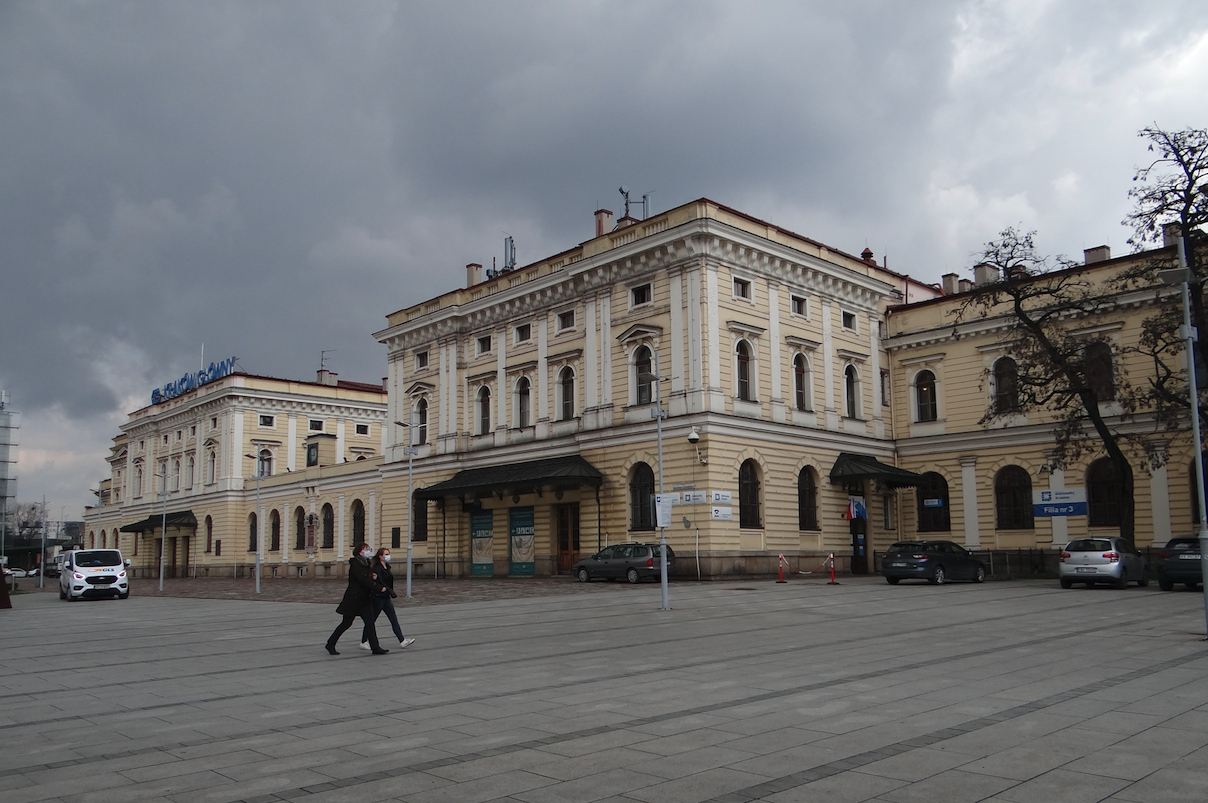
(746, 690)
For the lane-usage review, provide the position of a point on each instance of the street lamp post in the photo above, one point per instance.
(1182, 276)
(658, 414)
(163, 527)
(259, 519)
(409, 450)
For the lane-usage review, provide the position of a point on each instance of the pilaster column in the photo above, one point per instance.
(1159, 491)
(828, 366)
(969, 499)
(1061, 527)
(774, 352)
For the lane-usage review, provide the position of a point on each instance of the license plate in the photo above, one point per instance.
(898, 565)
(1085, 570)
(1189, 557)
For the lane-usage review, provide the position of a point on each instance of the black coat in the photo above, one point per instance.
(358, 597)
(385, 578)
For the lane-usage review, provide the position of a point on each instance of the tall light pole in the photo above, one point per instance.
(259, 519)
(163, 527)
(409, 450)
(1182, 276)
(658, 414)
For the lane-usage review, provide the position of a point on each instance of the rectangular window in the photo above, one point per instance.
(800, 305)
(419, 531)
(887, 521)
(362, 429)
(178, 434)
(849, 321)
(742, 289)
(165, 440)
(421, 360)
(192, 432)
(884, 388)
(484, 344)
(268, 421)
(316, 425)
(396, 537)
(524, 333)
(213, 423)
(566, 320)
(640, 295)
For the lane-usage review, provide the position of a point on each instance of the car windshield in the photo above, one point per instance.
(908, 546)
(1184, 544)
(1089, 545)
(98, 557)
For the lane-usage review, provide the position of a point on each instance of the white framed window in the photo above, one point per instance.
(849, 320)
(484, 345)
(421, 422)
(742, 288)
(523, 403)
(523, 333)
(362, 429)
(566, 394)
(193, 432)
(191, 471)
(213, 423)
(421, 360)
(851, 392)
(315, 425)
(178, 435)
(641, 295)
(566, 320)
(268, 421)
(799, 305)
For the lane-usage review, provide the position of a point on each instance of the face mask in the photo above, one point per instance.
(386, 558)
(365, 553)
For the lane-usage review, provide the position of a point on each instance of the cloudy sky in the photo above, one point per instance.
(270, 179)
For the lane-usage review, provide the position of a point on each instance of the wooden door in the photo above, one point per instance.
(566, 519)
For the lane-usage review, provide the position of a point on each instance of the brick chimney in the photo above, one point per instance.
(950, 283)
(326, 377)
(1100, 253)
(986, 273)
(473, 274)
(603, 221)
(866, 255)
(1170, 234)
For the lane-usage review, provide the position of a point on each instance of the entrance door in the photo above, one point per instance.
(170, 558)
(567, 518)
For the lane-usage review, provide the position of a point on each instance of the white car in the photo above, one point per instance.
(93, 574)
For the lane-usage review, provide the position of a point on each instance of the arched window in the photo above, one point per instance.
(421, 422)
(566, 394)
(523, 402)
(932, 498)
(192, 464)
(209, 535)
(265, 463)
(274, 529)
(484, 410)
(807, 500)
(212, 475)
(299, 528)
(329, 527)
(851, 391)
(175, 475)
(801, 382)
(924, 394)
(252, 527)
(748, 495)
(104, 540)
(1013, 499)
(92, 539)
(1006, 385)
(641, 498)
(1103, 494)
(1097, 367)
(742, 356)
(138, 487)
(358, 521)
(642, 365)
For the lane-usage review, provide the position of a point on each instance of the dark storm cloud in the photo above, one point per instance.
(271, 179)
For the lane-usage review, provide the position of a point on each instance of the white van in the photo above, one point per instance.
(93, 574)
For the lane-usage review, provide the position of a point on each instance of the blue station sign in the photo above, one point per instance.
(217, 370)
(1063, 502)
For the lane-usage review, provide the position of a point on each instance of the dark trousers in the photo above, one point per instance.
(347, 623)
(383, 604)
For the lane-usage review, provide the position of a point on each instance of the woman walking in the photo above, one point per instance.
(358, 600)
(382, 602)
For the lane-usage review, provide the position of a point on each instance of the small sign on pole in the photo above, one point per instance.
(662, 508)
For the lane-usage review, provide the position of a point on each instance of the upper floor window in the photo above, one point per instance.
(801, 382)
(421, 422)
(421, 360)
(742, 288)
(851, 391)
(362, 429)
(524, 332)
(1097, 367)
(484, 344)
(484, 410)
(523, 402)
(1006, 385)
(1103, 494)
(265, 467)
(849, 321)
(213, 425)
(566, 394)
(640, 295)
(924, 394)
(566, 320)
(642, 371)
(316, 425)
(799, 305)
(268, 421)
(742, 354)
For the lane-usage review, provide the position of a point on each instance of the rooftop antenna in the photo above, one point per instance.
(509, 253)
(645, 202)
(625, 195)
(323, 358)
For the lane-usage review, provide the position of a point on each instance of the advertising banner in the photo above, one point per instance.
(521, 542)
(482, 543)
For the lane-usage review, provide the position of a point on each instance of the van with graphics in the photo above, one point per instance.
(93, 574)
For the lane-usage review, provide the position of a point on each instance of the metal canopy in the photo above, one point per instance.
(565, 472)
(181, 518)
(850, 466)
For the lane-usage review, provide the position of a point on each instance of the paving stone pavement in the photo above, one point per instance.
(547, 690)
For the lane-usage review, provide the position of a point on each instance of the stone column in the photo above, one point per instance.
(969, 499)
(1159, 492)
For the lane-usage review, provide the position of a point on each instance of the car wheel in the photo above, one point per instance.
(893, 581)
(938, 577)
(979, 574)
(584, 576)
(62, 594)
(1122, 580)
(1143, 581)
(1192, 586)
(124, 596)
(1165, 585)
(1067, 582)
(633, 577)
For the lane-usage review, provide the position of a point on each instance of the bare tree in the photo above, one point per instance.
(1060, 371)
(24, 520)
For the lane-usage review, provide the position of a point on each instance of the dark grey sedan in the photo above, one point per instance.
(937, 562)
(1179, 562)
(633, 561)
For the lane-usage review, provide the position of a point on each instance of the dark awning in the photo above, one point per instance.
(558, 472)
(850, 466)
(181, 518)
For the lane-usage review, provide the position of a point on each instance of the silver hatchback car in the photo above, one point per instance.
(1106, 559)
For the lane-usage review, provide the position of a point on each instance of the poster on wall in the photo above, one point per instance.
(521, 542)
(482, 543)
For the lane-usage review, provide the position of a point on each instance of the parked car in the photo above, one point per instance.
(93, 573)
(633, 561)
(1179, 562)
(937, 562)
(1102, 559)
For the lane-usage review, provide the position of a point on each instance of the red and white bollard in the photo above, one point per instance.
(780, 564)
(832, 582)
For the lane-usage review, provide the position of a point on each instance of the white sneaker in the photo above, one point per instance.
(407, 642)
(365, 645)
